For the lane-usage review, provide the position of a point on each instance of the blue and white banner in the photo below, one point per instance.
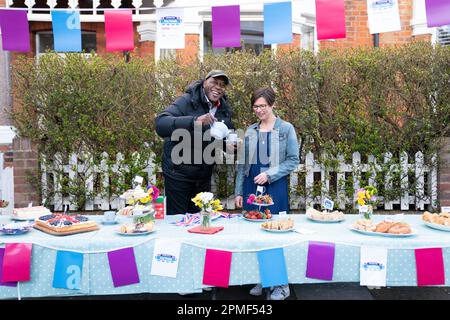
(166, 256)
(373, 263)
(170, 28)
(68, 270)
(383, 16)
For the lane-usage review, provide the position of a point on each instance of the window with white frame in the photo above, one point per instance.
(44, 42)
(307, 38)
(443, 35)
(252, 37)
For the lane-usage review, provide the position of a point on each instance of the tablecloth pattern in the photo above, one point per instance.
(242, 237)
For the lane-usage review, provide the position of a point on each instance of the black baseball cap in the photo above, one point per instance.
(218, 73)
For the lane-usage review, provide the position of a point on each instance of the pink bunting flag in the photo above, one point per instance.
(217, 268)
(330, 19)
(119, 30)
(17, 262)
(429, 267)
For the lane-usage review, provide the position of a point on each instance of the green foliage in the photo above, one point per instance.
(367, 100)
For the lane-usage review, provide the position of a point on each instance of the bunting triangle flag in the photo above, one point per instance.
(15, 33)
(438, 12)
(226, 26)
(66, 31)
(278, 22)
(330, 19)
(119, 30)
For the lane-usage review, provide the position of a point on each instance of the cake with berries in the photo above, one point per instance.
(62, 224)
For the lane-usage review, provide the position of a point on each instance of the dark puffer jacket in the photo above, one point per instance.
(181, 114)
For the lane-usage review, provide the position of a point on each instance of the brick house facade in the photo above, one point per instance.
(21, 155)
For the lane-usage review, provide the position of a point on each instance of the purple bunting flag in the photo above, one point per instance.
(320, 264)
(15, 33)
(438, 12)
(226, 26)
(123, 267)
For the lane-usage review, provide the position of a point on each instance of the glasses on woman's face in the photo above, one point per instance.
(259, 106)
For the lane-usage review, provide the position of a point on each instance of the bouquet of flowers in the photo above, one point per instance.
(208, 205)
(367, 196)
(140, 202)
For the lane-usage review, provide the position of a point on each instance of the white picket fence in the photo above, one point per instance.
(6, 186)
(425, 176)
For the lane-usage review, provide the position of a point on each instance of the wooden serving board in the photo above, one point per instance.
(66, 233)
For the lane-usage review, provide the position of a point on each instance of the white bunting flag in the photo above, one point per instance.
(373, 264)
(170, 28)
(166, 256)
(383, 15)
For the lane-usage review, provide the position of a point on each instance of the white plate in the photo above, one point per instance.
(437, 226)
(325, 221)
(22, 219)
(277, 231)
(256, 220)
(389, 235)
(135, 233)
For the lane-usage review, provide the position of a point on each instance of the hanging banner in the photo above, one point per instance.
(119, 30)
(373, 262)
(217, 268)
(330, 19)
(122, 264)
(166, 256)
(320, 263)
(66, 31)
(278, 22)
(17, 262)
(5, 284)
(429, 267)
(384, 16)
(170, 28)
(15, 32)
(272, 267)
(68, 270)
(226, 26)
(438, 12)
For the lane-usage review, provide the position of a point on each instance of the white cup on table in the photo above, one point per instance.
(109, 216)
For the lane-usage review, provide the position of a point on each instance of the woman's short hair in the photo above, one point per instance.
(267, 93)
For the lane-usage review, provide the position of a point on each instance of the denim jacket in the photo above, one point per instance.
(284, 153)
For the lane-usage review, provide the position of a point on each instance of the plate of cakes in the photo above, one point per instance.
(277, 226)
(384, 228)
(257, 216)
(439, 221)
(324, 216)
(136, 229)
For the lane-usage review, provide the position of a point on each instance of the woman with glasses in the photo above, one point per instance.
(270, 154)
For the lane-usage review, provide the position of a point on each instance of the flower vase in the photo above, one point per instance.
(368, 213)
(205, 220)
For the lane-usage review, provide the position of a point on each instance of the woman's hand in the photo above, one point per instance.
(261, 178)
(238, 201)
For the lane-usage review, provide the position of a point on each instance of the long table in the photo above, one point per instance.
(239, 236)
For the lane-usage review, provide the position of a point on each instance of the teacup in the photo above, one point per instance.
(109, 216)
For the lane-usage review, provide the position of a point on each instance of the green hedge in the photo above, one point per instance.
(368, 100)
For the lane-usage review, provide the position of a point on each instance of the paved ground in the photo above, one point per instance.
(329, 291)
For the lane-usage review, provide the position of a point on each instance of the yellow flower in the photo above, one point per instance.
(131, 201)
(361, 201)
(361, 194)
(146, 199)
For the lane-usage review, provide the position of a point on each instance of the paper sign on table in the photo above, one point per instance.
(68, 270)
(429, 267)
(166, 256)
(15, 32)
(272, 267)
(373, 263)
(330, 19)
(6, 284)
(217, 268)
(66, 31)
(17, 262)
(278, 22)
(119, 30)
(123, 267)
(226, 26)
(320, 264)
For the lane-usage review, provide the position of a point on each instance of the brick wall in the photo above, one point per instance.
(444, 174)
(357, 28)
(296, 43)
(191, 49)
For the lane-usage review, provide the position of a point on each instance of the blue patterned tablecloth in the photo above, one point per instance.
(242, 237)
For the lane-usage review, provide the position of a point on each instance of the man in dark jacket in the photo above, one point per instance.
(203, 103)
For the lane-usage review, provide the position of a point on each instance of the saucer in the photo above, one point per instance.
(115, 221)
